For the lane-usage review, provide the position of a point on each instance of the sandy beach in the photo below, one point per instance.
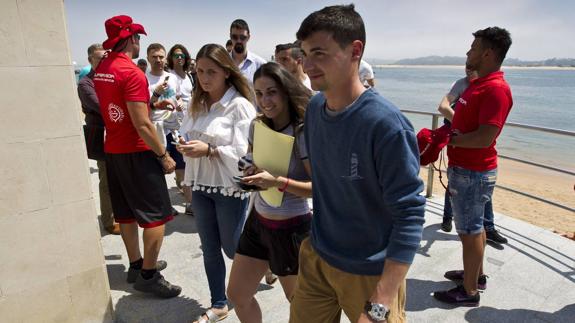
(544, 183)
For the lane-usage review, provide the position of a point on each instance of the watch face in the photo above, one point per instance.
(378, 312)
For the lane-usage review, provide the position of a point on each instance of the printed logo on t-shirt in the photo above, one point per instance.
(462, 101)
(104, 77)
(354, 168)
(115, 113)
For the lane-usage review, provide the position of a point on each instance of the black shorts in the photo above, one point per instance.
(279, 246)
(138, 189)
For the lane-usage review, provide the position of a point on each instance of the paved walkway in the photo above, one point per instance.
(531, 279)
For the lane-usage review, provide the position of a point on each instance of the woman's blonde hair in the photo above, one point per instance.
(221, 57)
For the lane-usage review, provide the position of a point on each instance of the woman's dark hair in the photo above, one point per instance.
(186, 59)
(297, 94)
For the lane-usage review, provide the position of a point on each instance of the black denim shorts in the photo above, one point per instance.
(278, 245)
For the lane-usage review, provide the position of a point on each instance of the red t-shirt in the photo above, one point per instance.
(487, 101)
(118, 80)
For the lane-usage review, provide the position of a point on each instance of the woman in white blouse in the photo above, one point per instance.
(215, 136)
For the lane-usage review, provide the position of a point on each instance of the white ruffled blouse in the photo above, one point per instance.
(226, 127)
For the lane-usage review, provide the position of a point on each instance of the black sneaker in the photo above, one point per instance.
(446, 224)
(457, 296)
(158, 286)
(134, 273)
(457, 276)
(495, 236)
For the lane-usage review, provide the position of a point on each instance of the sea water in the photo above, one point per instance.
(544, 98)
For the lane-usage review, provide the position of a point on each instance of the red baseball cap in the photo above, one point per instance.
(431, 142)
(120, 27)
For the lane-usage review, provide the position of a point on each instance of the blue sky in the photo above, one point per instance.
(395, 29)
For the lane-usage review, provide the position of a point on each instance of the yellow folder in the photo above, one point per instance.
(272, 151)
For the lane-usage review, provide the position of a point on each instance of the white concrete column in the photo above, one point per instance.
(51, 263)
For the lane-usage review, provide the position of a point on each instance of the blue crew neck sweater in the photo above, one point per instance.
(366, 190)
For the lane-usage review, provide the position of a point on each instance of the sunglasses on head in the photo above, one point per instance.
(179, 56)
(239, 37)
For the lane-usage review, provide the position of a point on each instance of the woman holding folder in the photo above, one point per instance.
(214, 138)
(273, 233)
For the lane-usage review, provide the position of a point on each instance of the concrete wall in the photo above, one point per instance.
(51, 263)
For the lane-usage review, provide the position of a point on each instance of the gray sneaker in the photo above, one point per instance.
(158, 286)
(134, 273)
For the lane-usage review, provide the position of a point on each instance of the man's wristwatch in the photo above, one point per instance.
(377, 312)
(164, 156)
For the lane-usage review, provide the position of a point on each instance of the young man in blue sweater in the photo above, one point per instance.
(368, 211)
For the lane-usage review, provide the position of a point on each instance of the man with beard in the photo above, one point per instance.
(480, 114)
(247, 61)
(136, 160)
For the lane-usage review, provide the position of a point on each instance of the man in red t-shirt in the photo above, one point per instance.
(136, 160)
(480, 114)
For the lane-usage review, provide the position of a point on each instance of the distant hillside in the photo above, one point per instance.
(432, 60)
(453, 60)
(379, 61)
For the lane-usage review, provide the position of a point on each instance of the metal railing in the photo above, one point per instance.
(431, 170)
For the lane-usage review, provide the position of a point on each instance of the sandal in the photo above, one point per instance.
(212, 317)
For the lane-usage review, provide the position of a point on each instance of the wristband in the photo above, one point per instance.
(283, 188)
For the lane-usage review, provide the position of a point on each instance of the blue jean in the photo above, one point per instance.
(470, 191)
(220, 220)
(488, 217)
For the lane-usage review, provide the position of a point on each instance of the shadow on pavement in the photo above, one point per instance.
(117, 277)
(490, 314)
(139, 307)
(432, 233)
(420, 294)
(264, 287)
(182, 223)
(541, 253)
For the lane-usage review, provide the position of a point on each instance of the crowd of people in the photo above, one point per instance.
(198, 118)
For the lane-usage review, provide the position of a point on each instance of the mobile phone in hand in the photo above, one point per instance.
(244, 186)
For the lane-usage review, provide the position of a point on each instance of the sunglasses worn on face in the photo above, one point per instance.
(179, 56)
(239, 37)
